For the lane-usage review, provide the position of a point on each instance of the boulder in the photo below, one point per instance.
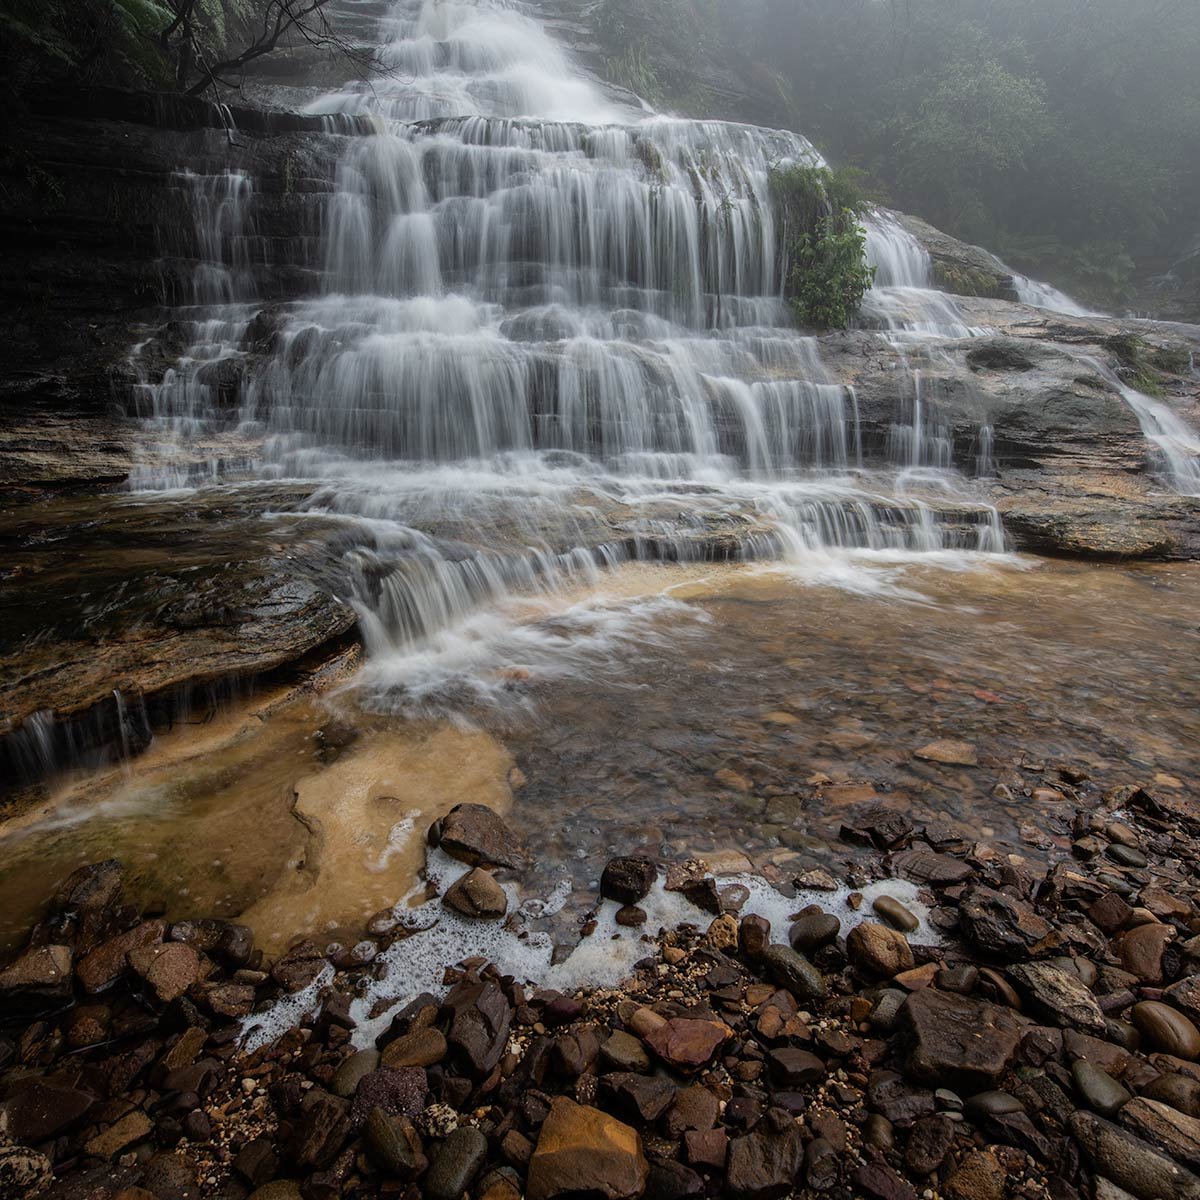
(877, 950)
(581, 1150)
(1061, 992)
(958, 1042)
(475, 835)
(477, 894)
(1132, 1163)
(628, 880)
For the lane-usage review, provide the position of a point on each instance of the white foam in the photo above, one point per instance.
(603, 960)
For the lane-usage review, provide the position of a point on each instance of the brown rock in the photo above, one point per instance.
(299, 966)
(722, 934)
(765, 1164)
(42, 1110)
(958, 1042)
(169, 968)
(1185, 995)
(878, 950)
(475, 835)
(130, 1129)
(104, 965)
(1061, 993)
(928, 1145)
(628, 879)
(232, 1000)
(1110, 912)
(879, 1182)
(419, 1048)
(43, 971)
(687, 1044)
(978, 1177)
(1141, 950)
(950, 752)
(1167, 1029)
(583, 1150)
(1177, 1134)
(922, 865)
(477, 894)
(1003, 925)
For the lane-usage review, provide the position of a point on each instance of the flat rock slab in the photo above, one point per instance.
(958, 1042)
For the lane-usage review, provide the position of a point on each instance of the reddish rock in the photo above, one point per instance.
(1141, 951)
(103, 966)
(706, 1148)
(169, 968)
(686, 1044)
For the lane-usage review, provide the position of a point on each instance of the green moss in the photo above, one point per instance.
(966, 281)
(1136, 363)
(822, 244)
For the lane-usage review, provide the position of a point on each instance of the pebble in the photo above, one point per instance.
(1098, 1089)
(1167, 1029)
(814, 930)
(895, 914)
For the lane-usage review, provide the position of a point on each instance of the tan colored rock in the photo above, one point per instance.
(477, 894)
(583, 1150)
(950, 752)
(131, 1128)
(878, 950)
(722, 934)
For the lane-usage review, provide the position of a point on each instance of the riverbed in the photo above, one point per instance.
(739, 712)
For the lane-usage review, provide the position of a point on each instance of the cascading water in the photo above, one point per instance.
(551, 337)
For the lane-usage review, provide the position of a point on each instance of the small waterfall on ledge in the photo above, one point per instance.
(550, 338)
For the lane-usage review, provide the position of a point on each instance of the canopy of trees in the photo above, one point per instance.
(1063, 134)
(189, 46)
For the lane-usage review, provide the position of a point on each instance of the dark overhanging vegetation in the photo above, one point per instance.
(188, 46)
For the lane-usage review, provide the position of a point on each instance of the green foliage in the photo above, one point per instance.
(822, 244)
(1137, 364)
(116, 42)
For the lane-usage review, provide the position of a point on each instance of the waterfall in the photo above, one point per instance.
(550, 337)
(1176, 445)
